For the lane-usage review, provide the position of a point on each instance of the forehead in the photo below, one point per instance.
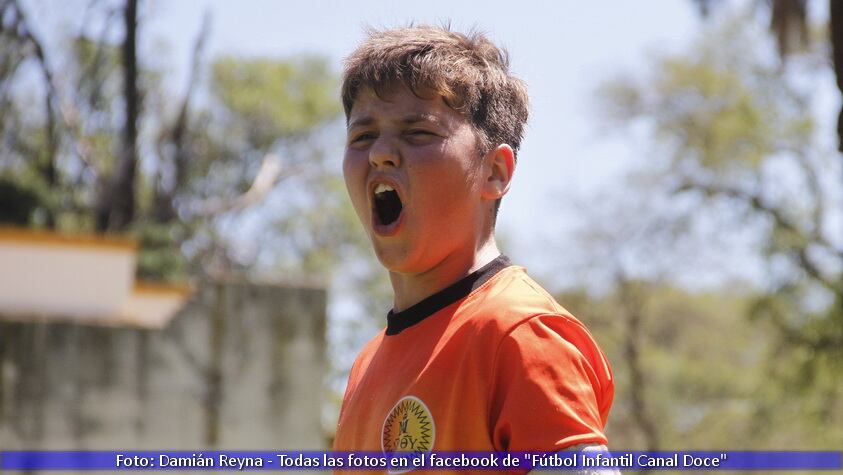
(399, 103)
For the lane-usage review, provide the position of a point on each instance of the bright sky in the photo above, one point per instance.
(561, 49)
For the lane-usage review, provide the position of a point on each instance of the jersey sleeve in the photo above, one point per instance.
(552, 387)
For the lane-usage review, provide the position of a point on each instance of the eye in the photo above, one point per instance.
(362, 137)
(420, 135)
(419, 132)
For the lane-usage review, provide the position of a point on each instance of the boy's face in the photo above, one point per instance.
(414, 177)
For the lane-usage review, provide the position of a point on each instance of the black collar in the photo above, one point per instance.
(397, 322)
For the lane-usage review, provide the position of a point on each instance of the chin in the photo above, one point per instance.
(393, 258)
(389, 260)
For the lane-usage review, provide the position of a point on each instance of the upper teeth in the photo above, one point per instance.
(383, 189)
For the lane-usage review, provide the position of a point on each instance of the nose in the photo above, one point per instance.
(384, 153)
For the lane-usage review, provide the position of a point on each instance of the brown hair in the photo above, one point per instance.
(468, 71)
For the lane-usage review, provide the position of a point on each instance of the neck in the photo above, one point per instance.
(410, 289)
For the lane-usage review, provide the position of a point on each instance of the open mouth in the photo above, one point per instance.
(387, 205)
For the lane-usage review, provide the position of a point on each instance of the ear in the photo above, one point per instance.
(499, 165)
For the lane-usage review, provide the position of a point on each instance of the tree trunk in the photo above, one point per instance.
(632, 300)
(836, 8)
(214, 397)
(117, 209)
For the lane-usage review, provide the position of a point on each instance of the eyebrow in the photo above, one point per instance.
(407, 120)
(361, 122)
(415, 118)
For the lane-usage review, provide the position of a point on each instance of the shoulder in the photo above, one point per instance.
(530, 335)
(361, 362)
(510, 300)
(557, 345)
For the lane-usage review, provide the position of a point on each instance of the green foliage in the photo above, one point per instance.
(736, 151)
(97, 78)
(191, 156)
(738, 128)
(200, 157)
(709, 372)
(722, 108)
(276, 99)
(159, 257)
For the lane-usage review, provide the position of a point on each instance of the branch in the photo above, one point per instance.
(81, 145)
(822, 341)
(164, 210)
(49, 168)
(816, 188)
(269, 174)
(94, 69)
(57, 110)
(12, 56)
(782, 222)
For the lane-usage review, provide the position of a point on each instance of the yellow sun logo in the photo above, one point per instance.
(408, 427)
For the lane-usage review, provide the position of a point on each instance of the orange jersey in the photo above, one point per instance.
(491, 363)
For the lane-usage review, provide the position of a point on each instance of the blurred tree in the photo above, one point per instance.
(230, 179)
(704, 374)
(692, 371)
(788, 22)
(790, 26)
(737, 151)
(263, 121)
(735, 128)
(19, 43)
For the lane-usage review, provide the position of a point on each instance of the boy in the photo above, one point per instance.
(475, 356)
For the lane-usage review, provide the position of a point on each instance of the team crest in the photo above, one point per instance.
(408, 428)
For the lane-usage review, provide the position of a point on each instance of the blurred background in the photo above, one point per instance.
(679, 189)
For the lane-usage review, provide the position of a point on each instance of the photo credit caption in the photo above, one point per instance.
(401, 462)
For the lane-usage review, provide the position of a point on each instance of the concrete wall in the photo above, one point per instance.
(241, 367)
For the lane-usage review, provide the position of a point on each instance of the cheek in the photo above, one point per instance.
(453, 173)
(447, 185)
(351, 170)
(354, 172)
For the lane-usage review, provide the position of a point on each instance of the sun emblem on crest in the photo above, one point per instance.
(408, 428)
